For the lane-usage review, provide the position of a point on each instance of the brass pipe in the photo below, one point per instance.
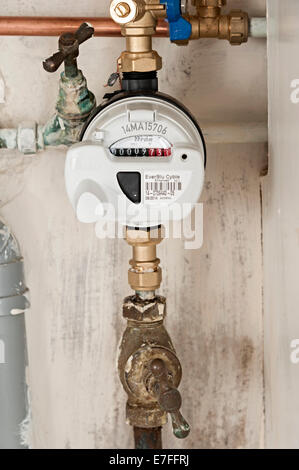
(138, 44)
(55, 26)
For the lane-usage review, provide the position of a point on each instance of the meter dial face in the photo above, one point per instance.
(142, 146)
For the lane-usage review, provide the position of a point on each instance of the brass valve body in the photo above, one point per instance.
(145, 273)
(138, 20)
(144, 341)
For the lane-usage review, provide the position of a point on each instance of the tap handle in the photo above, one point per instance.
(68, 48)
(54, 62)
(84, 32)
(169, 398)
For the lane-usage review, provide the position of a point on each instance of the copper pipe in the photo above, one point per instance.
(55, 26)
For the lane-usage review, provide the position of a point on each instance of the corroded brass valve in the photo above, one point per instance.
(75, 101)
(149, 368)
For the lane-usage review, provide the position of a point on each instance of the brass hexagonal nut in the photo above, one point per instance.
(144, 310)
(145, 281)
(143, 62)
(239, 27)
(136, 237)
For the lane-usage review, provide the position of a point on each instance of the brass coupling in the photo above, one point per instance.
(234, 27)
(209, 23)
(145, 273)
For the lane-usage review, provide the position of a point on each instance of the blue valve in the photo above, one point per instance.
(179, 28)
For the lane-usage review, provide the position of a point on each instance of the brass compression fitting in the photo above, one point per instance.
(210, 23)
(145, 273)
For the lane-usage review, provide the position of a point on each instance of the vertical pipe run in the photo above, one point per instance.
(148, 438)
(13, 357)
(13, 396)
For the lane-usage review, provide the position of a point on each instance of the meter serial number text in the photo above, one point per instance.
(144, 126)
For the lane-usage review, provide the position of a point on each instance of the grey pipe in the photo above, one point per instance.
(13, 354)
(258, 28)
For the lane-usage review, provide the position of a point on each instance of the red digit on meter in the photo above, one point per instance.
(152, 152)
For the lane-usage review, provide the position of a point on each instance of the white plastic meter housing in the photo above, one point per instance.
(141, 162)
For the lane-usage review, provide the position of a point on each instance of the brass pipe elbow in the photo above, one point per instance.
(234, 27)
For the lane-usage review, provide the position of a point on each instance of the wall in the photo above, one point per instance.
(78, 282)
(281, 229)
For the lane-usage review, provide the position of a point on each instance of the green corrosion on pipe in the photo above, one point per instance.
(74, 105)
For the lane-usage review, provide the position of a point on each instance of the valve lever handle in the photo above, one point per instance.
(180, 427)
(53, 63)
(85, 32)
(68, 48)
(169, 398)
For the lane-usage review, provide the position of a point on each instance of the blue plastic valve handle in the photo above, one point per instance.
(179, 28)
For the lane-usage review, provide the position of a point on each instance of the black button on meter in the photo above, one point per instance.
(130, 184)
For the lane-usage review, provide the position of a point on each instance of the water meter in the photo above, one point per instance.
(140, 162)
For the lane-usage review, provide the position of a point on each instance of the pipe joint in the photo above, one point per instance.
(233, 27)
(138, 20)
(145, 273)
